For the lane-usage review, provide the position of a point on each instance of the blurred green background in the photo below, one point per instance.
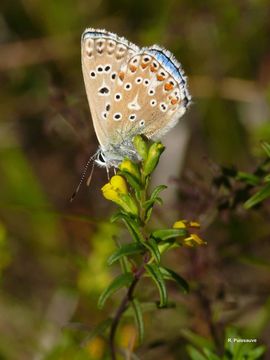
(53, 252)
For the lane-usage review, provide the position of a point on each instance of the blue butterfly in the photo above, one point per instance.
(130, 91)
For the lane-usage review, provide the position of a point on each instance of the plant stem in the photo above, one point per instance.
(122, 308)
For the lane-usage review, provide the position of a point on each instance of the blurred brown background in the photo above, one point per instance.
(53, 253)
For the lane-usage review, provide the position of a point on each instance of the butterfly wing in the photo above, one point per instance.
(103, 54)
(150, 95)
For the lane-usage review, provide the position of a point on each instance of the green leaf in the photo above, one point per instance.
(132, 227)
(153, 248)
(171, 275)
(266, 147)
(138, 318)
(167, 245)
(119, 282)
(261, 195)
(154, 272)
(157, 191)
(148, 205)
(125, 250)
(195, 354)
(165, 234)
(250, 179)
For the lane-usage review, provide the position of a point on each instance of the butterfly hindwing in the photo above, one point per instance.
(148, 98)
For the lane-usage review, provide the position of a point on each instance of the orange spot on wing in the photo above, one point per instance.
(132, 68)
(153, 69)
(121, 75)
(144, 65)
(174, 101)
(160, 77)
(168, 86)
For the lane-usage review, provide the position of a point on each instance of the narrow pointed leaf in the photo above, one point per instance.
(172, 275)
(153, 248)
(120, 281)
(154, 196)
(136, 306)
(154, 272)
(132, 227)
(157, 190)
(261, 195)
(125, 250)
(165, 234)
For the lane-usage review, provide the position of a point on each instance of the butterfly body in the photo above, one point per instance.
(130, 91)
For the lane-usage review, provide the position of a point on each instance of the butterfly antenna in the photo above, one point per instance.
(83, 177)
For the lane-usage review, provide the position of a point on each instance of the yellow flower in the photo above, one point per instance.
(194, 239)
(116, 190)
(194, 224)
(181, 224)
(184, 224)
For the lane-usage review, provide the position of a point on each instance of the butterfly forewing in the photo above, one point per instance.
(103, 54)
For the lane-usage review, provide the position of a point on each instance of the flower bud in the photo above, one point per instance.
(131, 168)
(140, 146)
(155, 150)
(181, 224)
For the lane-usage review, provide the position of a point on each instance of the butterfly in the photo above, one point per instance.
(130, 91)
